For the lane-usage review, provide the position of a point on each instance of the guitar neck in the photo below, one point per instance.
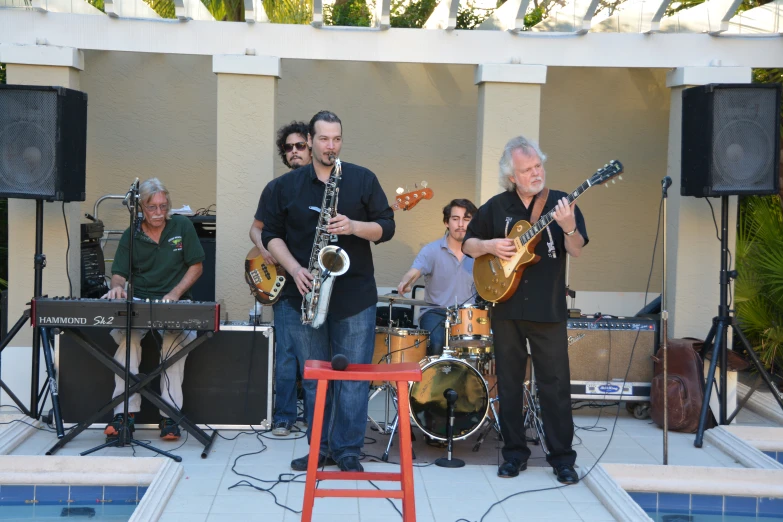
(547, 218)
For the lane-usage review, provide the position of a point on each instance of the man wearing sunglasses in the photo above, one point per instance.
(167, 261)
(294, 151)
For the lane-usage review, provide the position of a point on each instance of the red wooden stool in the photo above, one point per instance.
(400, 374)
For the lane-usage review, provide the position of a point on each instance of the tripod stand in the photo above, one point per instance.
(41, 341)
(717, 339)
(124, 436)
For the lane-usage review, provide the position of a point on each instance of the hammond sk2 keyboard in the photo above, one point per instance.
(73, 312)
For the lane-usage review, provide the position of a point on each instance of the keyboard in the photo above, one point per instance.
(74, 312)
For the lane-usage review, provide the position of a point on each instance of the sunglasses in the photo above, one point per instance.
(300, 146)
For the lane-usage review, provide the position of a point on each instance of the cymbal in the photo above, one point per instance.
(402, 300)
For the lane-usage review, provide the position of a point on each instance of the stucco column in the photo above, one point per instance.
(693, 251)
(509, 104)
(246, 89)
(38, 65)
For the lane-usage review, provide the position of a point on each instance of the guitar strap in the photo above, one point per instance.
(538, 206)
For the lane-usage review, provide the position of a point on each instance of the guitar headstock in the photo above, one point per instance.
(606, 173)
(408, 200)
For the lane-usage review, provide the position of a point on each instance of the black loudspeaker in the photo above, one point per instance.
(730, 140)
(43, 143)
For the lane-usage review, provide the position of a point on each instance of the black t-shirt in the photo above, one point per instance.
(263, 201)
(291, 214)
(541, 292)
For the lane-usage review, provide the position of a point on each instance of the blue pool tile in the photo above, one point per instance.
(740, 506)
(142, 491)
(51, 495)
(86, 495)
(646, 501)
(16, 495)
(770, 507)
(17, 512)
(706, 504)
(780, 456)
(119, 494)
(674, 502)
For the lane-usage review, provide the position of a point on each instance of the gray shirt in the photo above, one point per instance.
(446, 278)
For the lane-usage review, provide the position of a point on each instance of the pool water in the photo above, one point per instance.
(683, 507)
(95, 503)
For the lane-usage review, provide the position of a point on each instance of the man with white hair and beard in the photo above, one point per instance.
(447, 271)
(536, 311)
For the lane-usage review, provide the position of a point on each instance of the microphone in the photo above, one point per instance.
(134, 188)
(339, 362)
(451, 396)
(666, 182)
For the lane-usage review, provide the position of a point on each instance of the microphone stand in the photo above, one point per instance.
(125, 437)
(665, 184)
(451, 398)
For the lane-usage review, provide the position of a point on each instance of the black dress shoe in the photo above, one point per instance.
(300, 464)
(511, 468)
(566, 474)
(350, 464)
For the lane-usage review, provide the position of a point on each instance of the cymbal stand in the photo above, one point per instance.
(387, 388)
(532, 408)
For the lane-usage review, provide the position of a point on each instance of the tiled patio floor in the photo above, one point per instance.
(442, 495)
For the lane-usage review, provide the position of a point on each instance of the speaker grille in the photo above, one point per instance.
(28, 142)
(744, 140)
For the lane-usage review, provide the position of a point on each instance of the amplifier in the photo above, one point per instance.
(610, 357)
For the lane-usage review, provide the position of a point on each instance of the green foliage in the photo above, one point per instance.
(534, 16)
(164, 8)
(681, 5)
(758, 291)
(2, 73)
(770, 76)
(289, 11)
(97, 4)
(410, 14)
(470, 16)
(354, 13)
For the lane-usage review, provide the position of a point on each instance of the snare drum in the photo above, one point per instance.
(429, 410)
(470, 327)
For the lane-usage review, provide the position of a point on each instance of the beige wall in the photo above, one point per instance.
(157, 115)
(149, 115)
(591, 116)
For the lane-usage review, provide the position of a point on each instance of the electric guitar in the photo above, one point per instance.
(497, 280)
(266, 281)
(408, 200)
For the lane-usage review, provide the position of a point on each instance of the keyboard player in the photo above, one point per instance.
(167, 261)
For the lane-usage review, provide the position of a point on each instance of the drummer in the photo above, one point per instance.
(448, 273)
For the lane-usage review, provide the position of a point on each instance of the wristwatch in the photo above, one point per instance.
(571, 233)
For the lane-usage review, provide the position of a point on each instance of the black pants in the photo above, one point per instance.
(549, 349)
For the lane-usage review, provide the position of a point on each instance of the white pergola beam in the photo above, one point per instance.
(384, 17)
(318, 13)
(654, 25)
(587, 19)
(250, 15)
(632, 50)
(723, 10)
(519, 21)
(180, 12)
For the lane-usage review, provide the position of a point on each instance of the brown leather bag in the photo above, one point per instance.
(684, 386)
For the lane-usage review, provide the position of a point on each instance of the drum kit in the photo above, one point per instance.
(466, 364)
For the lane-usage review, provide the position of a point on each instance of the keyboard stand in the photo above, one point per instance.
(137, 385)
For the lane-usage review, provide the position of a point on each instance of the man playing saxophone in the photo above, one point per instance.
(362, 215)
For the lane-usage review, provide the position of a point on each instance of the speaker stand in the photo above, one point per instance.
(717, 339)
(42, 341)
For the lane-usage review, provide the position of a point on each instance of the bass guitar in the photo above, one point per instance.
(496, 280)
(266, 281)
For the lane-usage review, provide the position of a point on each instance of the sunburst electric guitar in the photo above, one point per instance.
(496, 280)
(266, 281)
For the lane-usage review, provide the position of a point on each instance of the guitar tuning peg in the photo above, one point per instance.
(620, 178)
(400, 190)
(606, 185)
(415, 185)
(424, 184)
(613, 182)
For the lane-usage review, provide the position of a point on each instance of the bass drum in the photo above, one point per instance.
(428, 405)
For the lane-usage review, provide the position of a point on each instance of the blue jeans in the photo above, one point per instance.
(345, 418)
(285, 372)
(433, 320)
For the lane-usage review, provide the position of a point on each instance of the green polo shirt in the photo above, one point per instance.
(159, 267)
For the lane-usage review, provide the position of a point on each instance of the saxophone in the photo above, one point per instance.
(326, 261)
